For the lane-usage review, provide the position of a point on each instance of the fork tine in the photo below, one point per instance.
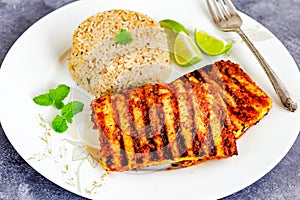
(224, 9)
(219, 9)
(214, 10)
(230, 7)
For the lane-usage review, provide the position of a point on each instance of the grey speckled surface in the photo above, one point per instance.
(19, 181)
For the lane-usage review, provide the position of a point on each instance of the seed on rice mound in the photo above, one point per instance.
(101, 65)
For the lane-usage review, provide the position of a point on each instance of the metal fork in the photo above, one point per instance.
(226, 18)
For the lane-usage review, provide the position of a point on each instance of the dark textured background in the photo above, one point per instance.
(19, 181)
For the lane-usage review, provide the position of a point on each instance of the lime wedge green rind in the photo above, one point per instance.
(182, 61)
(211, 45)
(227, 47)
(186, 52)
(173, 25)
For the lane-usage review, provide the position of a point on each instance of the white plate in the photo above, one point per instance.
(32, 66)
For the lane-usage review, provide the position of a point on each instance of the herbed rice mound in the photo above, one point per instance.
(102, 66)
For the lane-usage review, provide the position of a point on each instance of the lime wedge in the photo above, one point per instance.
(186, 52)
(173, 25)
(211, 45)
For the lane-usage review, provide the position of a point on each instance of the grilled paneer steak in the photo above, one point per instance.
(194, 118)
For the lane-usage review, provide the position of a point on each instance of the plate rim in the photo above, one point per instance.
(74, 4)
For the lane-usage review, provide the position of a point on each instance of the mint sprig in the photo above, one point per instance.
(55, 98)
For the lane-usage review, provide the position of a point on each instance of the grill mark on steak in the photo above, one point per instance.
(196, 74)
(180, 139)
(123, 152)
(144, 145)
(187, 93)
(163, 132)
(201, 113)
(149, 93)
(104, 139)
(121, 127)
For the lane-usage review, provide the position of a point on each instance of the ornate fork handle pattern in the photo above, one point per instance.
(287, 100)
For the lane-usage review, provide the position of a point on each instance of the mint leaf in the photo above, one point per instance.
(43, 100)
(58, 104)
(52, 94)
(59, 94)
(59, 124)
(123, 37)
(62, 92)
(71, 109)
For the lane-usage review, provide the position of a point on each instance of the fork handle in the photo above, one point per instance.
(287, 100)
